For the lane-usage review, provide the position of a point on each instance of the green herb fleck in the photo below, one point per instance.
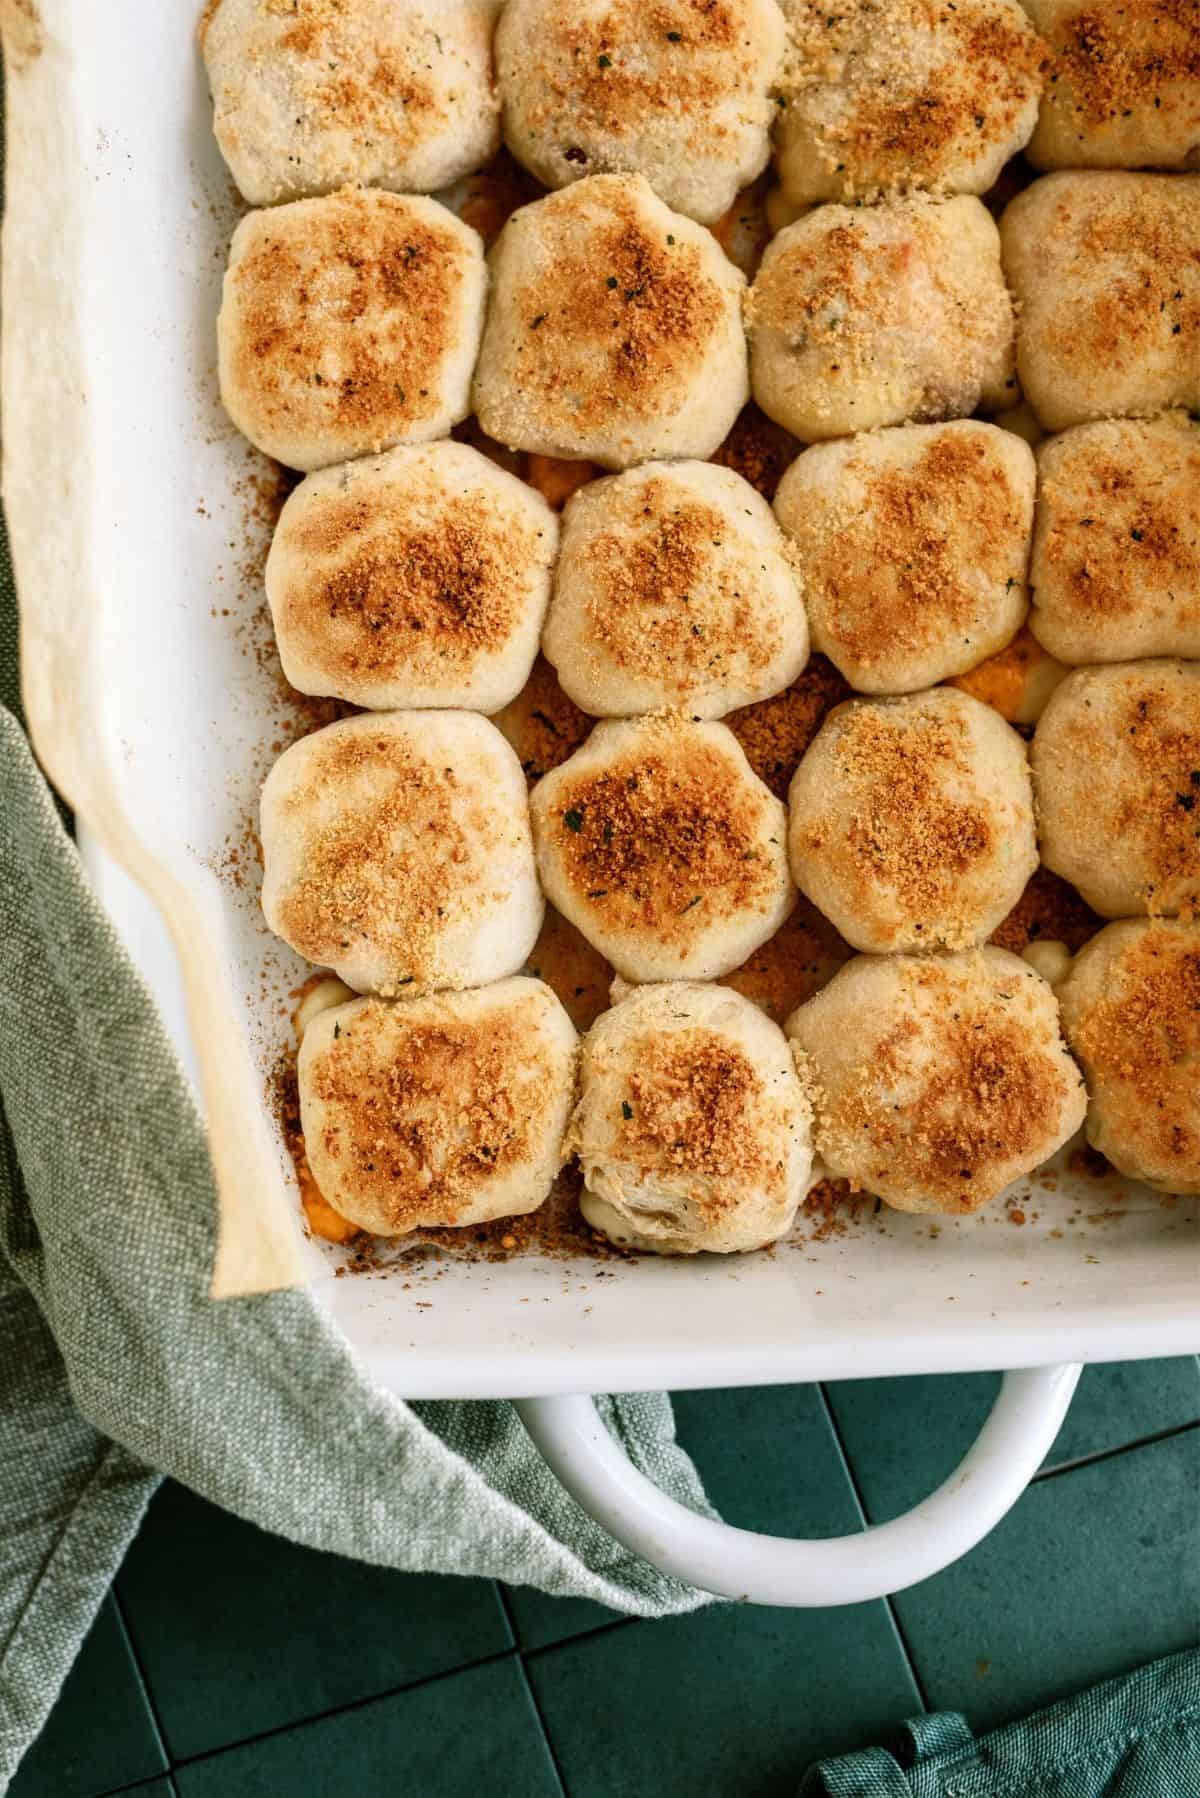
(611, 282)
(670, 239)
(605, 62)
(673, 37)
(573, 820)
(337, 1031)
(626, 1109)
(692, 902)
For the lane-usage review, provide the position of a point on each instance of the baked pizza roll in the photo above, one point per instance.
(349, 323)
(614, 330)
(903, 94)
(1116, 772)
(668, 89)
(911, 547)
(867, 316)
(446, 1110)
(416, 578)
(396, 851)
(658, 842)
(1131, 1012)
(1106, 272)
(911, 821)
(673, 591)
(1116, 549)
(692, 1129)
(310, 96)
(1122, 86)
(937, 1080)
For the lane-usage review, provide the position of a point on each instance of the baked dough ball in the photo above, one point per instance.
(692, 1128)
(910, 93)
(1107, 280)
(673, 591)
(449, 1109)
(866, 316)
(614, 329)
(658, 842)
(674, 90)
(1123, 85)
(911, 547)
(1131, 1012)
(349, 323)
(396, 851)
(937, 1081)
(313, 94)
(911, 821)
(420, 578)
(1116, 772)
(1116, 551)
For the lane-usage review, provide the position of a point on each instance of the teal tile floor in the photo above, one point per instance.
(229, 1664)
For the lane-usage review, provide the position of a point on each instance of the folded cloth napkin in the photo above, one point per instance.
(115, 1362)
(1136, 1737)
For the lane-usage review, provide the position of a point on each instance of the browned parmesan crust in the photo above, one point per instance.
(445, 1110)
(309, 95)
(349, 323)
(1131, 1012)
(937, 1080)
(904, 94)
(1123, 84)
(1106, 272)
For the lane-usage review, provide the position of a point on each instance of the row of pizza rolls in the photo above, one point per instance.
(429, 576)
(401, 849)
(604, 326)
(858, 97)
(932, 1081)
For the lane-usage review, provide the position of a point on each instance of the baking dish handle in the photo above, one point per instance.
(743, 1564)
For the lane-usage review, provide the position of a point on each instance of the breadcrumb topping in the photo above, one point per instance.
(436, 581)
(1116, 561)
(897, 820)
(907, 93)
(912, 558)
(1134, 1022)
(341, 317)
(675, 593)
(963, 1083)
(425, 1109)
(665, 839)
(604, 314)
(1110, 61)
(693, 1107)
(403, 856)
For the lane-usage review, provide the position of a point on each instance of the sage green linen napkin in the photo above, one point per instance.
(114, 1361)
(1134, 1737)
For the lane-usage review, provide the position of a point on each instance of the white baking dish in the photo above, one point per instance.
(130, 521)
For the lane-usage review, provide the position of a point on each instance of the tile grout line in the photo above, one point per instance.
(547, 1738)
(160, 1735)
(1110, 1454)
(339, 1710)
(583, 1635)
(860, 1500)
